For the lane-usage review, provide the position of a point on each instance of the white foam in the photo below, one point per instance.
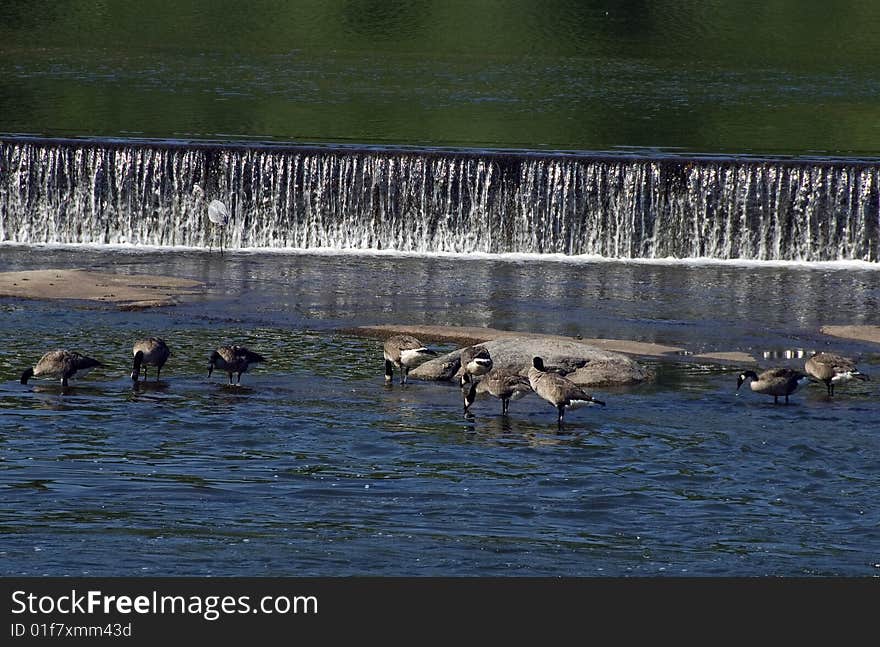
(511, 257)
(577, 404)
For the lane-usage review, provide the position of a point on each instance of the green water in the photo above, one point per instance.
(717, 77)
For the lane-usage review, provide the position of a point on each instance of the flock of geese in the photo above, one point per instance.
(476, 375)
(64, 364)
(829, 368)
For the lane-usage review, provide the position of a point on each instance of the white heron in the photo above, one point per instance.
(218, 214)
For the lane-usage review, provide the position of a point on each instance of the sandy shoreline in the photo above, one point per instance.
(128, 292)
(140, 291)
(858, 333)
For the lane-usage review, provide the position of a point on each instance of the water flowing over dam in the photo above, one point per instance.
(120, 192)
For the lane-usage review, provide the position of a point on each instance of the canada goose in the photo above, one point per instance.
(233, 359)
(151, 351)
(557, 390)
(62, 364)
(475, 360)
(832, 369)
(500, 383)
(404, 352)
(775, 381)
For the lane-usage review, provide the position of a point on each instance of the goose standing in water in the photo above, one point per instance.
(500, 383)
(475, 360)
(233, 359)
(559, 391)
(833, 369)
(777, 382)
(404, 352)
(60, 364)
(151, 351)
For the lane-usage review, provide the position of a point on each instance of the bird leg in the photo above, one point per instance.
(389, 371)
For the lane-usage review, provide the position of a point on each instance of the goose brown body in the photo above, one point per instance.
(504, 384)
(404, 352)
(60, 364)
(233, 359)
(151, 351)
(832, 369)
(559, 391)
(778, 382)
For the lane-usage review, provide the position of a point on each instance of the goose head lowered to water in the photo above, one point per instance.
(233, 359)
(404, 352)
(60, 364)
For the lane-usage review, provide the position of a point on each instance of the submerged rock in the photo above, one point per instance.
(581, 363)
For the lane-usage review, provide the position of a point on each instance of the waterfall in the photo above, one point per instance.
(118, 192)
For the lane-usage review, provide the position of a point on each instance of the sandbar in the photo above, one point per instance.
(859, 333)
(126, 291)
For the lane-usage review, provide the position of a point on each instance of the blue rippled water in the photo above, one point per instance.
(314, 467)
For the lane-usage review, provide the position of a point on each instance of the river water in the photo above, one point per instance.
(314, 467)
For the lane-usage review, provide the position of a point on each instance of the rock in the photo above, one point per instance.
(612, 371)
(439, 370)
(583, 364)
(467, 335)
